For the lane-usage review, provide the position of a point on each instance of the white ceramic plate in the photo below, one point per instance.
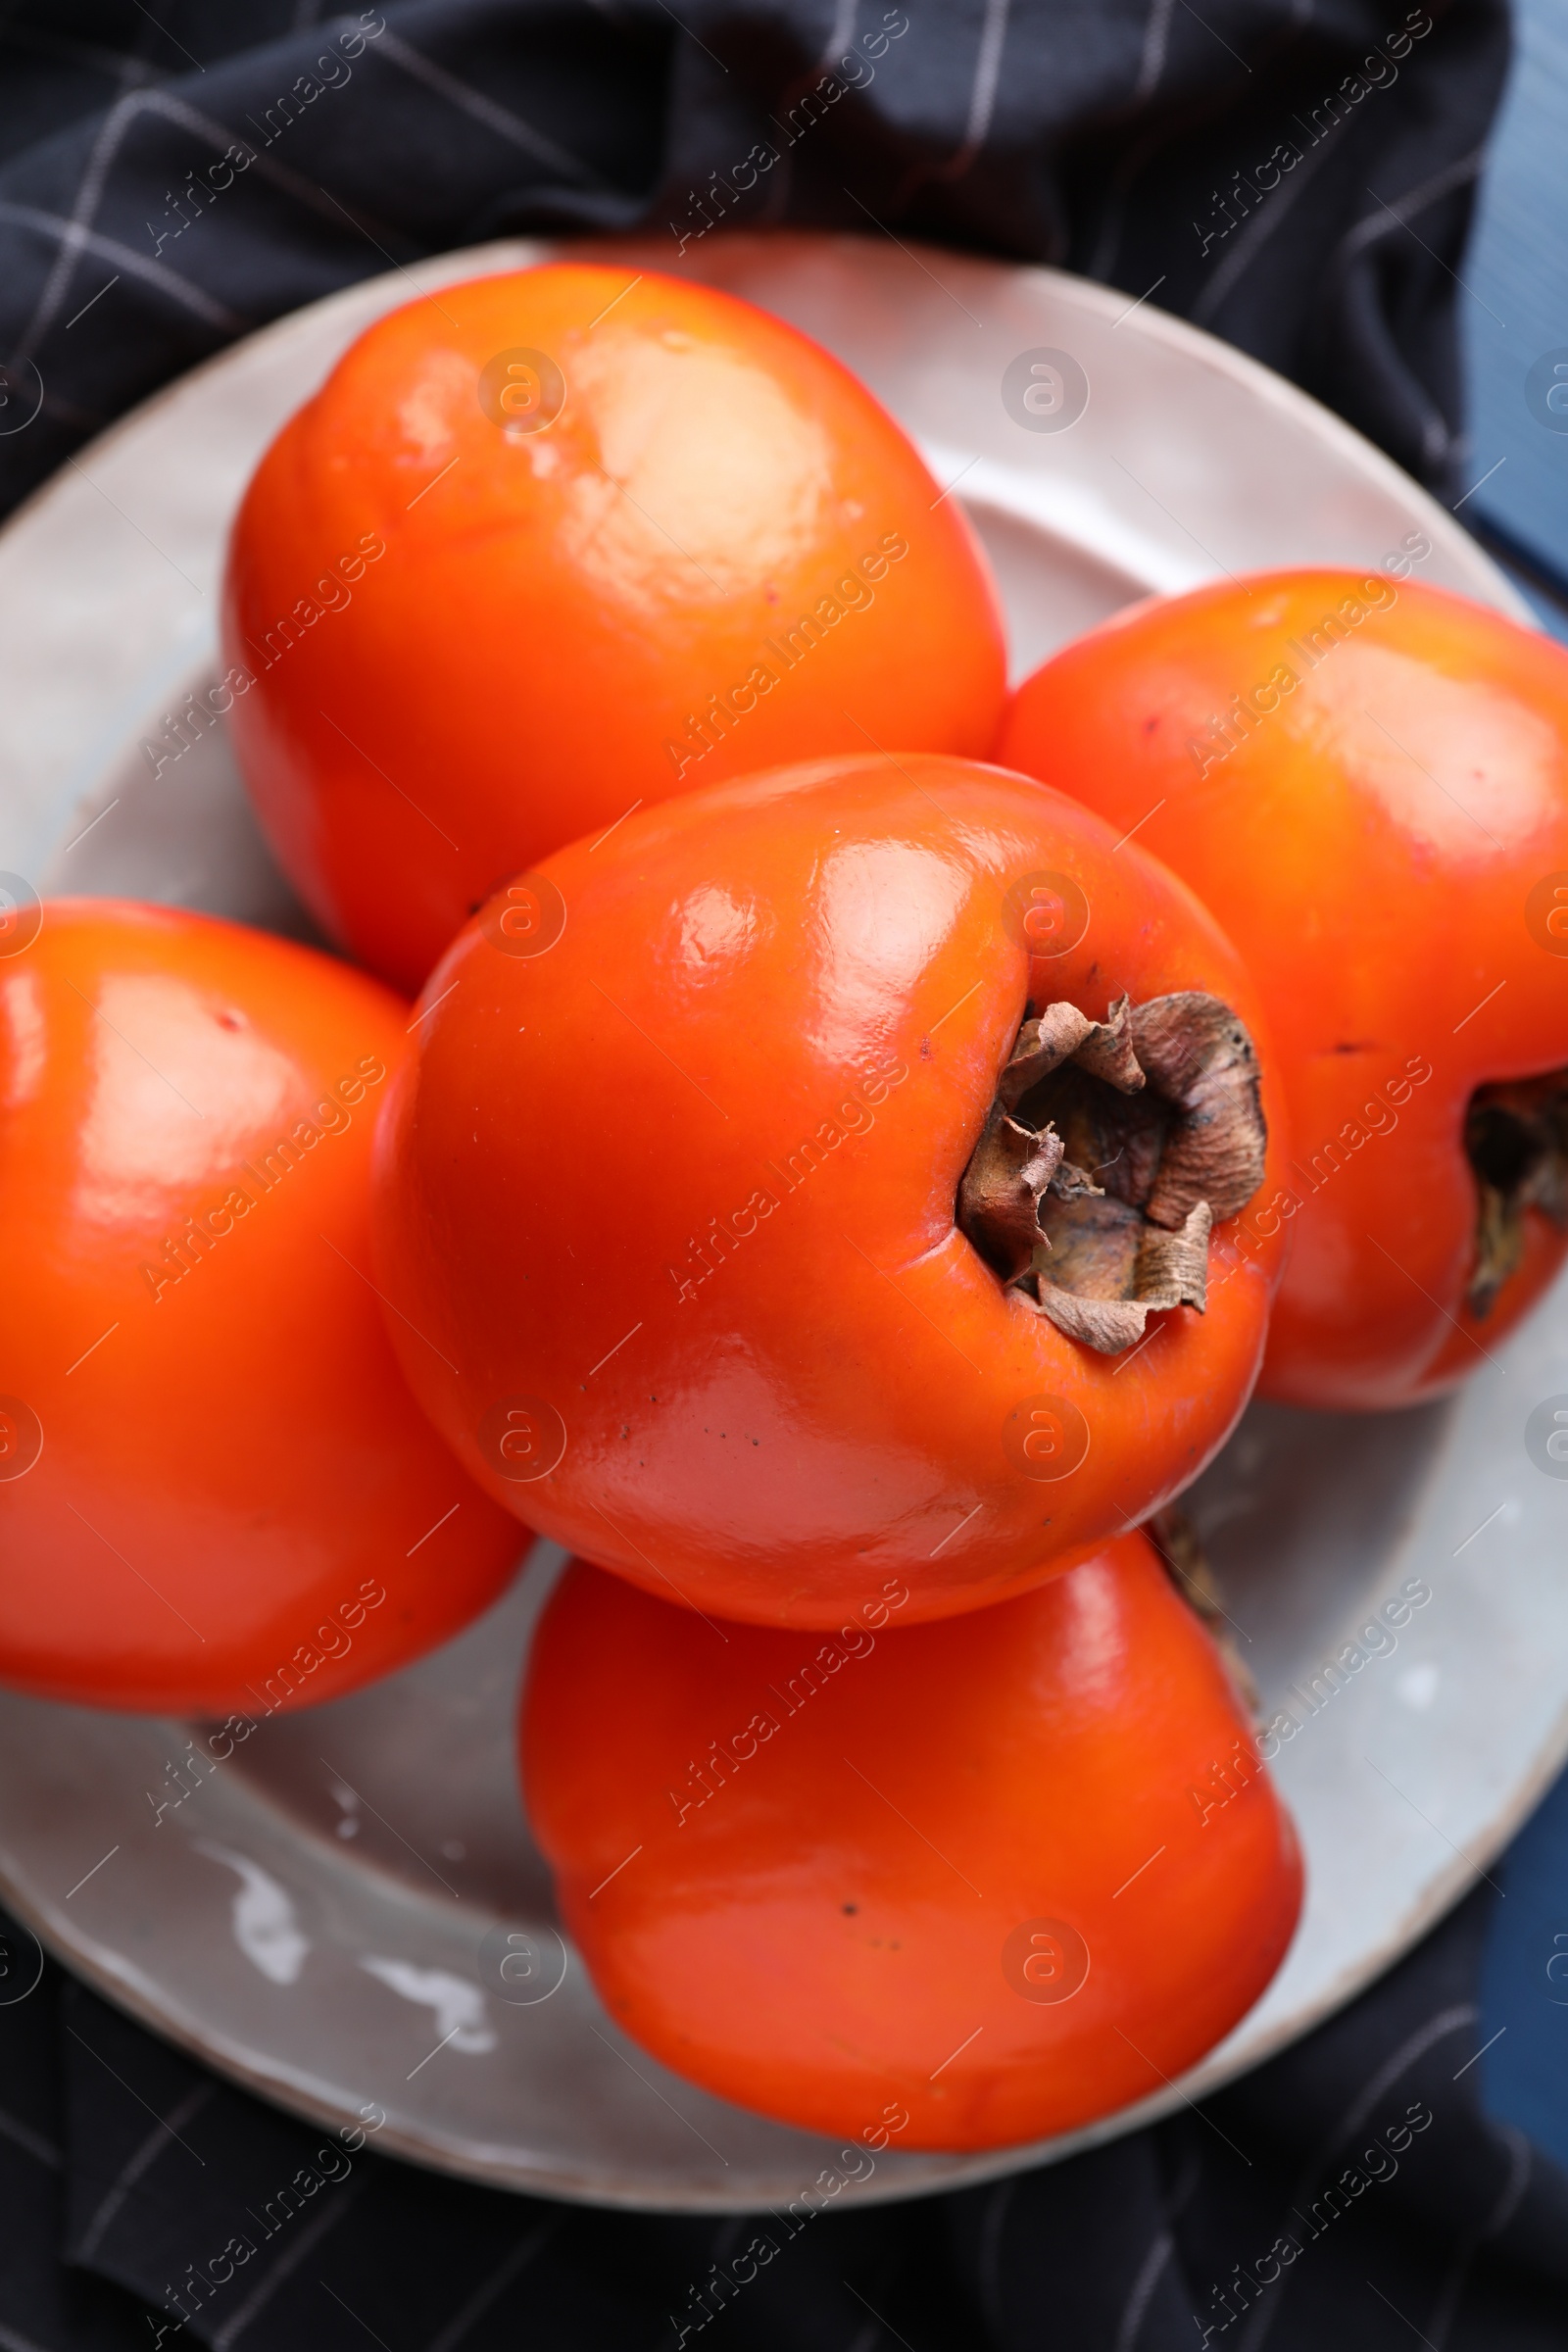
(324, 1916)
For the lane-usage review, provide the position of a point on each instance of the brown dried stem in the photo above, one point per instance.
(1516, 1140)
(1158, 1100)
(1188, 1565)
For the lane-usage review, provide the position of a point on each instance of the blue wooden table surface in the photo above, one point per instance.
(1513, 310)
(1513, 306)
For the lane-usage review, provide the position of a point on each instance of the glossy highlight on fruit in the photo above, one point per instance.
(556, 544)
(969, 1884)
(215, 1492)
(669, 1203)
(1366, 782)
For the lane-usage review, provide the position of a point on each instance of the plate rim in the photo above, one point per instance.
(499, 254)
(121, 1986)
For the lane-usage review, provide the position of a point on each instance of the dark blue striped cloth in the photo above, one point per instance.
(1351, 2194)
(1294, 174)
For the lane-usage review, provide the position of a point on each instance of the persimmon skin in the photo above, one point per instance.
(538, 645)
(232, 1466)
(1369, 844)
(783, 1938)
(822, 1396)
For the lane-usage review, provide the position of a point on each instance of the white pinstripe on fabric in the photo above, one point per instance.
(13, 2129)
(161, 2136)
(1434, 435)
(990, 2264)
(288, 2260)
(1156, 41)
(76, 231)
(490, 2288)
(221, 137)
(76, 235)
(1415, 2045)
(982, 91)
(481, 109)
(125, 256)
(1150, 73)
(841, 32)
(1521, 2163)
(1366, 232)
(1255, 233)
(1389, 217)
(11, 2341)
(1151, 68)
(781, 179)
(1142, 2291)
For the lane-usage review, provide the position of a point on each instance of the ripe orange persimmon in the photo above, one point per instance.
(1367, 783)
(997, 1878)
(712, 1243)
(559, 543)
(215, 1492)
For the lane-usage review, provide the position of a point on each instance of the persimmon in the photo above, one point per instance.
(1368, 784)
(743, 1226)
(216, 1493)
(996, 1877)
(555, 544)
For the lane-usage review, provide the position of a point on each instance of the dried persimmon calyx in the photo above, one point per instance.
(1009, 1170)
(1516, 1141)
(1190, 1569)
(1111, 1150)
